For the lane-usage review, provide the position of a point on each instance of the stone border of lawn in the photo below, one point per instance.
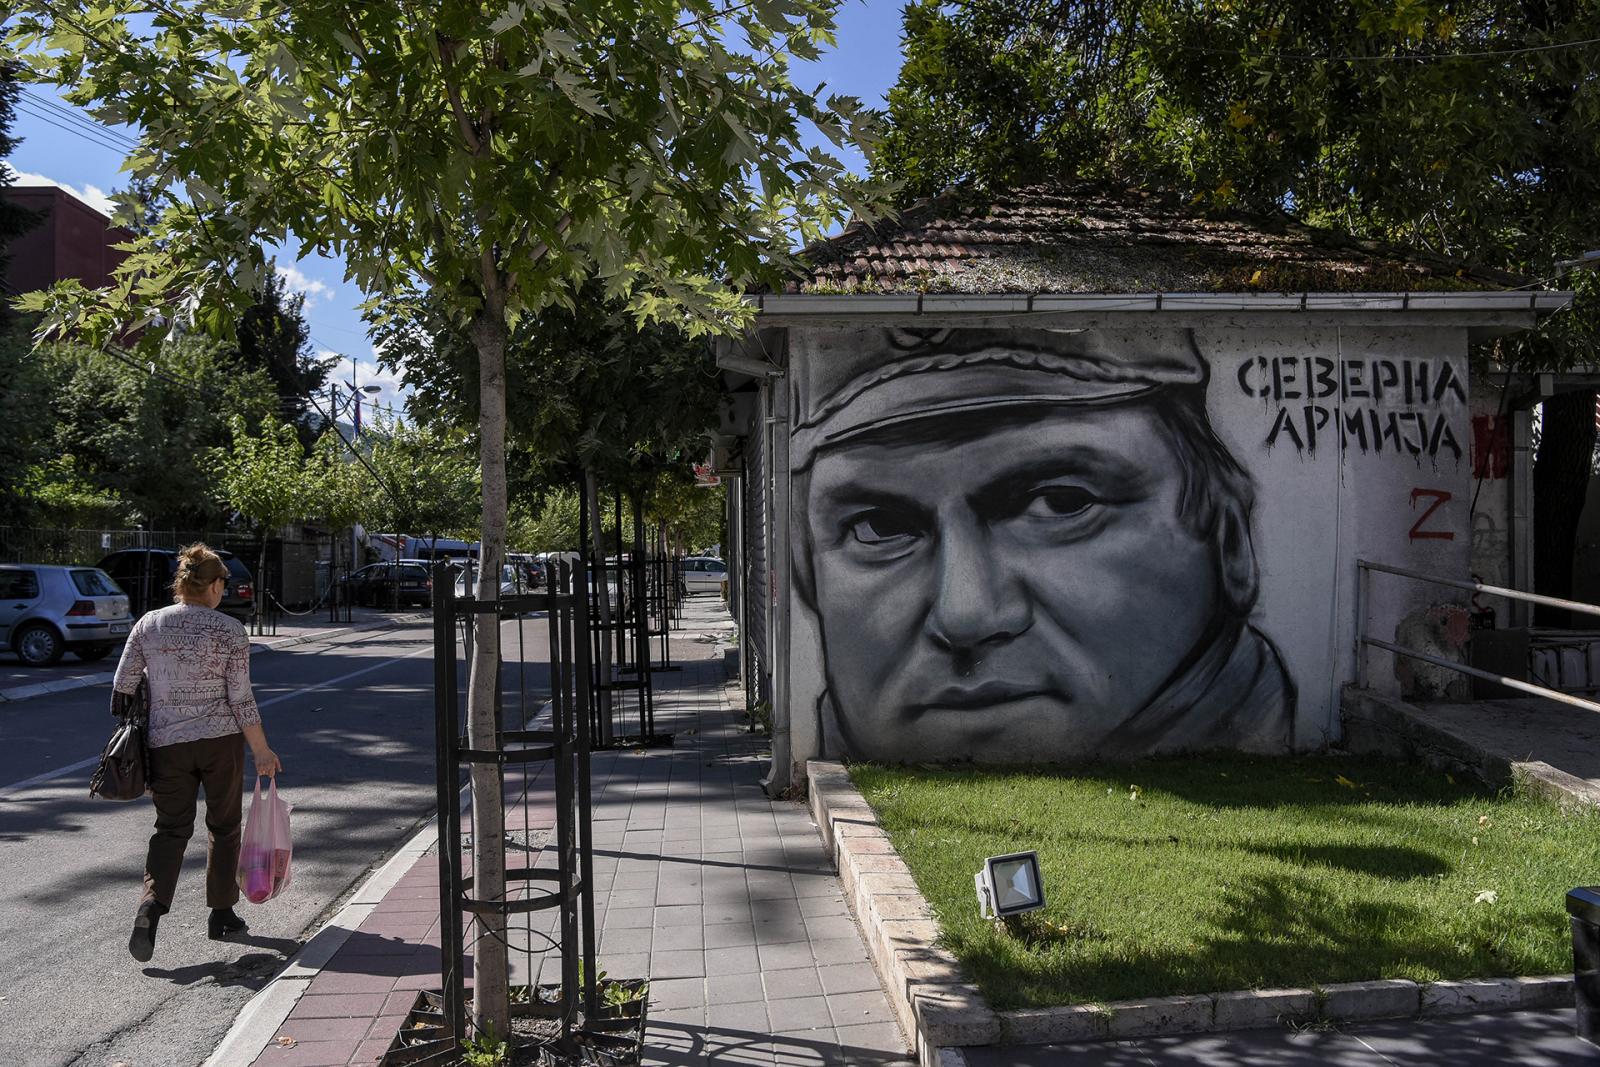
(942, 1011)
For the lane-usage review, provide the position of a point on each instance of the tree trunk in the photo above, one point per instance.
(597, 541)
(1560, 484)
(491, 1003)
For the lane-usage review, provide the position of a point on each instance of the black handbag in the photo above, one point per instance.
(124, 764)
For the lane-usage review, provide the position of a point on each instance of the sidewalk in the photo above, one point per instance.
(725, 899)
(291, 631)
(1543, 1038)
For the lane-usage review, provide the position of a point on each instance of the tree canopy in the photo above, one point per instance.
(1468, 129)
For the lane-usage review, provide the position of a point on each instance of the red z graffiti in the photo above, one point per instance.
(1440, 498)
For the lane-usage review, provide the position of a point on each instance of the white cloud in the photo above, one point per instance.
(298, 282)
(92, 195)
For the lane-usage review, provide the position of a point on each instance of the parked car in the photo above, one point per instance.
(702, 574)
(515, 580)
(146, 574)
(377, 584)
(531, 567)
(47, 610)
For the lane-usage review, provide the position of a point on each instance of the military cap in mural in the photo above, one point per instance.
(1026, 545)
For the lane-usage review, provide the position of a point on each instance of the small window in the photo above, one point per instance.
(18, 585)
(95, 583)
(717, 566)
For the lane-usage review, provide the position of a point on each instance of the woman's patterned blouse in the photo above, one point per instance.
(198, 663)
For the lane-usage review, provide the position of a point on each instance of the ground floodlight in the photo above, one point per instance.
(1009, 885)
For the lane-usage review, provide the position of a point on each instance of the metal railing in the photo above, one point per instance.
(1365, 567)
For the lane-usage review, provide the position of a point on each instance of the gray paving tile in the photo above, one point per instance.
(674, 1018)
(726, 912)
(800, 1013)
(624, 939)
(855, 1009)
(819, 884)
(740, 959)
(679, 894)
(749, 1017)
(678, 963)
(1546, 1038)
(678, 915)
(791, 954)
(783, 931)
(816, 907)
(840, 950)
(873, 1037)
(733, 988)
(625, 964)
(730, 935)
(631, 898)
(629, 918)
(792, 982)
(807, 1048)
(831, 927)
(672, 993)
(848, 978)
(668, 937)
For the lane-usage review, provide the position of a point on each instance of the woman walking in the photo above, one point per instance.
(202, 712)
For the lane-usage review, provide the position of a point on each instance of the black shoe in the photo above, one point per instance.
(142, 942)
(224, 924)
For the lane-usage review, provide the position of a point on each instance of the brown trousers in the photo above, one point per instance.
(177, 772)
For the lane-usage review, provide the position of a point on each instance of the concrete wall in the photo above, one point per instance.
(1032, 545)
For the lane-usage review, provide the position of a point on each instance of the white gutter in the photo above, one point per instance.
(1538, 302)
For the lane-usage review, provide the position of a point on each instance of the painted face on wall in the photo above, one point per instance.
(1012, 585)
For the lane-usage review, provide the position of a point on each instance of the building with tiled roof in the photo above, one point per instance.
(1067, 472)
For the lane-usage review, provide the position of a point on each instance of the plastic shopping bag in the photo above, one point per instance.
(266, 850)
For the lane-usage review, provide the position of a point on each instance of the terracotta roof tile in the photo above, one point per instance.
(1065, 239)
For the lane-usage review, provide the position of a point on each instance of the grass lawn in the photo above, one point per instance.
(1198, 875)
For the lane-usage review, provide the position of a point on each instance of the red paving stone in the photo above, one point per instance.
(308, 1054)
(338, 1005)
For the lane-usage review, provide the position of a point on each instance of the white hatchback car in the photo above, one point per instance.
(703, 574)
(46, 610)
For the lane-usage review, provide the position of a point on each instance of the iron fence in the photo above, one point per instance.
(547, 734)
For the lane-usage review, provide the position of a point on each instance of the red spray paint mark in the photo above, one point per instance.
(1439, 497)
(1491, 446)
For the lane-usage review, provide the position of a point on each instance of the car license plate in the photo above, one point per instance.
(119, 627)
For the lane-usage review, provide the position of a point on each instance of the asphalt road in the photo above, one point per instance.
(351, 720)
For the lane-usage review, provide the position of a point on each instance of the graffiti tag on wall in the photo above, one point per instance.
(1378, 406)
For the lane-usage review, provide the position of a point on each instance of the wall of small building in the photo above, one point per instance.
(71, 240)
(1134, 633)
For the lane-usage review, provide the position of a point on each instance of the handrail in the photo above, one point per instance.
(1362, 566)
(1479, 587)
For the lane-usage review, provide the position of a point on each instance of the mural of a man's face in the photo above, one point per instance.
(1004, 585)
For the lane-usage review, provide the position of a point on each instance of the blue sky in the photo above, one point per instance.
(57, 151)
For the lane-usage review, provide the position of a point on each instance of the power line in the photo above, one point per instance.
(41, 115)
(79, 118)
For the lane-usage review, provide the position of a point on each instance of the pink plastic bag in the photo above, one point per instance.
(266, 850)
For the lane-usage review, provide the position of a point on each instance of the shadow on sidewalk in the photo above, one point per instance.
(681, 1045)
(253, 970)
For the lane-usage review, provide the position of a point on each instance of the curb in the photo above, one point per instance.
(262, 1016)
(944, 1011)
(64, 685)
(1386, 726)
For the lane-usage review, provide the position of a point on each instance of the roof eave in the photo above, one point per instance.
(803, 305)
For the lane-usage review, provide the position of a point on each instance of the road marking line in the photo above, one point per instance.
(18, 787)
(342, 678)
(46, 776)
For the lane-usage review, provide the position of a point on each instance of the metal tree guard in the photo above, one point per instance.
(627, 634)
(564, 745)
